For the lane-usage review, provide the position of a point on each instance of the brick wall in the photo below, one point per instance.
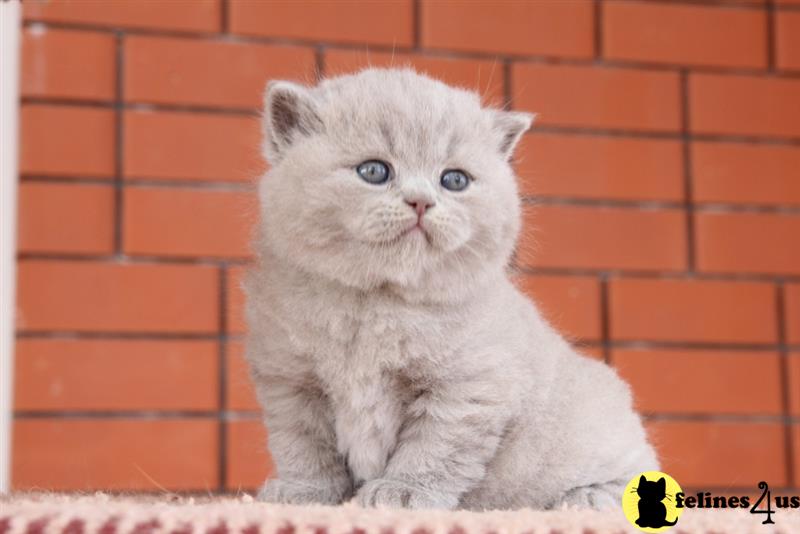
(662, 191)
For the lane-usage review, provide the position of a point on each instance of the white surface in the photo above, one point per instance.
(9, 103)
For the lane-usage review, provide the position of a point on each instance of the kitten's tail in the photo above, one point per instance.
(669, 523)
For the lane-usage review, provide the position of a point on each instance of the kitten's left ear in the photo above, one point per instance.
(290, 112)
(511, 125)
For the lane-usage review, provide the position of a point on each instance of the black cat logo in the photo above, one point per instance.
(652, 511)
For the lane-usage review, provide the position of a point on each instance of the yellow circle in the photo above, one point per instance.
(649, 501)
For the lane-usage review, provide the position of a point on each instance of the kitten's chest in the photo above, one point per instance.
(369, 368)
(370, 335)
(370, 356)
(364, 378)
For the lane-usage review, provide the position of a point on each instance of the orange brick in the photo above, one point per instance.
(66, 218)
(792, 307)
(388, 22)
(684, 34)
(67, 64)
(578, 166)
(702, 382)
(102, 374)
(234, 304)
(110, 454)
(745, 173)
(787, 39)
(709, 454)
(110, 297)
(249, 463)
(603, 238)
(748, 242)
(794, 383)
(592, 97)
(186, 15)
(692, 311)
(187, 71)
(192, 146)
(187, 222)
(550, 28)
(61, 140)
(744, 105)
(483, 76)
(240, 394)
(571, 303)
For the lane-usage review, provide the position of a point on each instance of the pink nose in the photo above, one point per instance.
(420, 206)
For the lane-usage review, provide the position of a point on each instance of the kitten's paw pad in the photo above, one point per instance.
(302, 492)
(384, 492)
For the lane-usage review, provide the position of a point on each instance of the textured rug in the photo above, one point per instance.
(102, 514)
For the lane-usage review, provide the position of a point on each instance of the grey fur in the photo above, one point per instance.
(405, 369)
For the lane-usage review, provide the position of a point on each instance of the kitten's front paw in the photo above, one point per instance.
(303, 492)
(385, 492)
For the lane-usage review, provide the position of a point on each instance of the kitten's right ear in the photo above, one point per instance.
(642, 480)
(290, 112)
(511, 125)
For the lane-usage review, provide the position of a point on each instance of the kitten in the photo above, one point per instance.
(395, 361)
(652, 512)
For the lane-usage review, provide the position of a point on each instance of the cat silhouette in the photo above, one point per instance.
(652, 512)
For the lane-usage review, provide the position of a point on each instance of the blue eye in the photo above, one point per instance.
(374, 171)
(454, 180)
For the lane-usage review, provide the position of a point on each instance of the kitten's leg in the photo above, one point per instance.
(597, 496)
(443, 448)
(303, 446)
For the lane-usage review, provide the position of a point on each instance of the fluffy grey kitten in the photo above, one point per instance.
(395, 361)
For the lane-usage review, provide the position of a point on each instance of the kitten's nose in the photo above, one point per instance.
(420, 206)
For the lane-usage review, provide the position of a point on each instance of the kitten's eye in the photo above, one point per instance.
(454, 180)
(374, 171)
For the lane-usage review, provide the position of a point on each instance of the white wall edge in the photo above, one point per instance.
(9, 142)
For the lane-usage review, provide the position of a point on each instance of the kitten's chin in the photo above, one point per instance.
(415, 240)
(397, 238)
(416, 232)
(419, 239)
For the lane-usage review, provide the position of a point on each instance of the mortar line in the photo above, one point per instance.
(210, 415)
(119, 144)
(222, 379)
(605, 318)
(416, 17)
(224, 17)
(644, 344)
(781, 317)
(770, 35)
(598, 30)
(254, 415)
(687, 173)
(750, 5)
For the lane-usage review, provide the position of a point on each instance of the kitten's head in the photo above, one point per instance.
(389, 178)
(652, 490)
